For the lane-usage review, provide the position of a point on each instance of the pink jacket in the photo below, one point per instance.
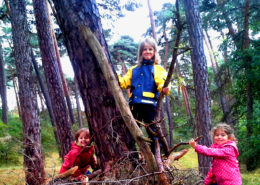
(225, 165)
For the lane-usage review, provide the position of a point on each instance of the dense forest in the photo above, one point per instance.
(210, 49)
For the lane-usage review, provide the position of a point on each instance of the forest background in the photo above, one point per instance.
(231, 46)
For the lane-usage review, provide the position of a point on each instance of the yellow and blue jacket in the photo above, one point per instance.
(145, 83)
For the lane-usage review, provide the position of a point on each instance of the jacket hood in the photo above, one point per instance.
(229, 143)
(74, 146)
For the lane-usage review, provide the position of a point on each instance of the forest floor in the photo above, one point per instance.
(13, 175)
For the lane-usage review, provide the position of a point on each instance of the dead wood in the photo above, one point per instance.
(179, 26)
(183, 143)
(64, 175)
(172, 157)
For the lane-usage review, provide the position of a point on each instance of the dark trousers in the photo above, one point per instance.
(146, 114)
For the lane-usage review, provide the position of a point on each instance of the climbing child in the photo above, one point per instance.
(145, 80)
(225, 168)
(81, 155)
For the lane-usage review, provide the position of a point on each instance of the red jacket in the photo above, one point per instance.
(225, 166)
(81, 157)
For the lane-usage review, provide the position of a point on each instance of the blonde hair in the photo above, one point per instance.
(226, 128)
(151, 42)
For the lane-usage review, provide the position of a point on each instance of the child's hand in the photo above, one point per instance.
(193, 143)
(165, 90)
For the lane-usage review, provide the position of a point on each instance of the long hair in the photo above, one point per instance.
(226, 128)
(151, 42)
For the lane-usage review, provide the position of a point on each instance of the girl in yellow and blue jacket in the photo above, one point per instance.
(145, 80)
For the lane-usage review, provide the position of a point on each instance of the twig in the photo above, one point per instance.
(183, 143)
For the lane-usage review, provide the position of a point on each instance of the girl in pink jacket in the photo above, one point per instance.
(224, 169)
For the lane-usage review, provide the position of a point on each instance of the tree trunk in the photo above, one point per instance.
(152, 20)
(47, 101)
(63, 80)
(16, 96)
(200, 77)
(250, 99)
(78, 104)
(167, 102)
(223, 100)
(52, 75)
(186, 100)
(3, 88)
(33, 157)
(170, 119)
(104, 119)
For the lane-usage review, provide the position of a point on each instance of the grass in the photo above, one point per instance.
(14, 175)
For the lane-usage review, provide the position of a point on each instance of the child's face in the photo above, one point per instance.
(148, 52)
(83, 139)
(220, 137)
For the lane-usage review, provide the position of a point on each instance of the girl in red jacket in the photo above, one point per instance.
(224, 169)
(81, 155)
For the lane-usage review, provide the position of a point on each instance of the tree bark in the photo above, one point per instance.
(3, 88)
(200, 77)
(47, 101)
(33, 157)
(63, 80)
(52, 75)
(104, 119)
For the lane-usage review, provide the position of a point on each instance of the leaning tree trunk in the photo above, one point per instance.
(33, 157)
(3, 88)
(200, 77)
(104, 119)
(52, 75)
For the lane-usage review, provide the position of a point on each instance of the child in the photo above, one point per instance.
(225, 168)
(145, 80)
(81, 155)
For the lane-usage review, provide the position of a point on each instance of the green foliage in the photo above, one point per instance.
(11, 141)
(250, 145)
(113, 9)
(245, 66)
(48, 139)
(124, 51)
